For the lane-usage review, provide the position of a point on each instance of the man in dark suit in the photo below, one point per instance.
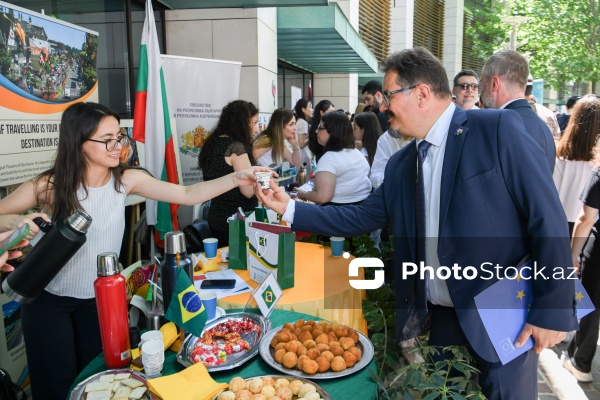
(503, 82)
(482, 193)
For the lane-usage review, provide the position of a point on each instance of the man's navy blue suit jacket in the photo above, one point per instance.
(498, 204)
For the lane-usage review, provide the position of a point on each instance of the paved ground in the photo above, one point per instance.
(556, 383)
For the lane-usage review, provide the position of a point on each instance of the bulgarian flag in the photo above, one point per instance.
(151, 125)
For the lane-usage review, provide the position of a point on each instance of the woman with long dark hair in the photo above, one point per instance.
(304, 112)
(229, 149)
(366, 129)
(60, 327)
(342, 175)
(573, 155)
(269, 145)
(586, 235)
(323, 107)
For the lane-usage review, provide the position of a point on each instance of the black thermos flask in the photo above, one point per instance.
(47, 257)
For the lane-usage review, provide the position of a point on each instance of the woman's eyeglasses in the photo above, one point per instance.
(112, 144)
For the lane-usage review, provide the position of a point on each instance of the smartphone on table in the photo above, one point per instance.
(217, 284)
(15, 238)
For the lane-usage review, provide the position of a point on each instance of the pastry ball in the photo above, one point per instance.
(258, 396)
(309, 344)
(304, 328)
(305, 335)
(299, 323)
(334, 324)
(293, 336)
(352, 334)
(243, 395)
(349, 359)
(279, 355)
(322, 323)
(310, 366)
(323, 347)
(337, 350)
(268, 391)
(316, 332)
(285, 393)
(341, 331)
(301, 351)
(255, 385)
(311, 322)
(346, 343)
(290, 360)
(237, 384)
(283, 336)
(313, 353)
(292, 345)
(338, 364)
(331, 336)
(288, 326)
(268, 381)
(275, 398)
(228, 395)
(295, 386)
(322, 338)
(281, 383)
(323, 363)
(280, 346)
(355, 352)
(274, 341)
(328, 355)
(306, 389)
(301, 359)
(312, 396)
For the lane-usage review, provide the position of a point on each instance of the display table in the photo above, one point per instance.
(356, 386)
(321, 288)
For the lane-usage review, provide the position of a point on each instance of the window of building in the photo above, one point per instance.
(429, 26)
(289, 79)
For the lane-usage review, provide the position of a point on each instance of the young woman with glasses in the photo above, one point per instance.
(60, 327)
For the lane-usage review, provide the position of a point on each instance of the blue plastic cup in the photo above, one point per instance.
(337, 246)
(209, 301)
(210, 247)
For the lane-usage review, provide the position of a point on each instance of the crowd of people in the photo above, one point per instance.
(418, 158)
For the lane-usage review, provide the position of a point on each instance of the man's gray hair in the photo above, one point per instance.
(510, 65)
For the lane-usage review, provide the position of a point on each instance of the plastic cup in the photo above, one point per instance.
(209, 300)
(153, 358)
(149, 336)
(224, 255)
(264, 179)
(337, 246)
(210, 247)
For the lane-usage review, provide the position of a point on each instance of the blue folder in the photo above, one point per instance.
(503, 308)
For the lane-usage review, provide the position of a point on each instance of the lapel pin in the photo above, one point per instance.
(458, 132)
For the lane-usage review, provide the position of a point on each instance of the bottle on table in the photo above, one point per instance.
(111, 300)
(58, 245)
(175, 257)
(302, 176)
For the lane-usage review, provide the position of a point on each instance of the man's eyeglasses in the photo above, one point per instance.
(465, 86)
(111, 144)
(319, 128)
(387, 95)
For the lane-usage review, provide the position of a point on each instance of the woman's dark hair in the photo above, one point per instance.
(78, 123)
(580, 136)
(234, 122)
(273, 136)
(369, 123)
(340, 131)
(300, 104)
(313, 143)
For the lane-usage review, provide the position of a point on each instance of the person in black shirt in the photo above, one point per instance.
(372, 97)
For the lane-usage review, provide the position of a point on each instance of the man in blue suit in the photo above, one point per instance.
(503, 82)
(480, 192)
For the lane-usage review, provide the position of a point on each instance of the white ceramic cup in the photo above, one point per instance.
(153, 358)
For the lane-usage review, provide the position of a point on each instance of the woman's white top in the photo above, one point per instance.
(106, 206)
(351, 171)
(570, 178)
(305, 154)
(266, 159)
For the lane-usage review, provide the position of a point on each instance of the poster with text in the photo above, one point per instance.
(45, 65)
(197, 91)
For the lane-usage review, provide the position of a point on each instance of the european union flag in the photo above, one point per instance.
(186, 309)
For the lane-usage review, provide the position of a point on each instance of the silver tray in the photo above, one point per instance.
(184, 356)
(78, 392)
(364, 345)
(320, 390)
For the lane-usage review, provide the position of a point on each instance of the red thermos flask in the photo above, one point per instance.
(111, 300)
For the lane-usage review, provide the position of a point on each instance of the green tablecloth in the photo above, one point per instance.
(356, 386)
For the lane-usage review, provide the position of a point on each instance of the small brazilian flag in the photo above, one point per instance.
(186, 309)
